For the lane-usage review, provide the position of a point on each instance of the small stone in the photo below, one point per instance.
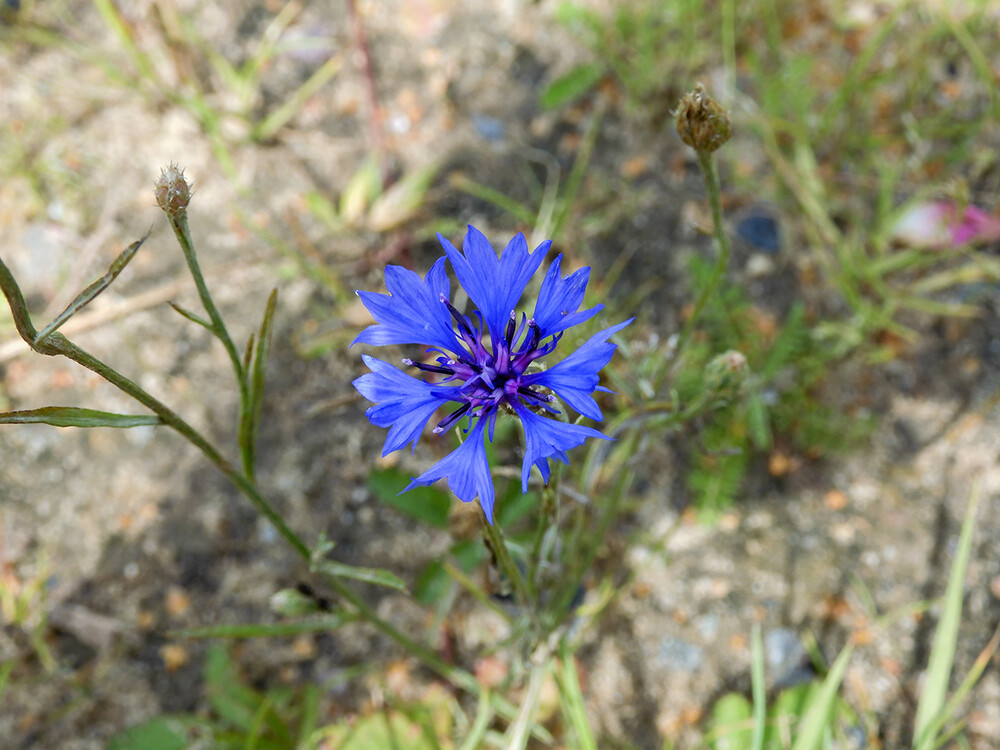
(759, 266)
(174, 656)
(835, 500)
(779, 464)
(995, 587)
(304, 647)
(178, 602)
(680, 655)
(491, 671)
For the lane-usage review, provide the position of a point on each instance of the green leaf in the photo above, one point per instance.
(193, 317)
(432, 584)
(88, 295)
(932, 699)
(72, 416)
(230, 698)
(427, 504)
(259, 372)
(574, 84)
(161, 733)
(515, 506)
(377, 576)
(732, 716)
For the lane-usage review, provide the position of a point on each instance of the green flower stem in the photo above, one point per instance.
(710, 174)
(547, 515)
(499, 546)
(179, 223)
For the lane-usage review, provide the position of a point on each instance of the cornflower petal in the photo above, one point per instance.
(402, 403)
(576, 377)
(483, 361)
(559, 298)
(548, 438)
(412, 312)
(467, 471)
(494, 284)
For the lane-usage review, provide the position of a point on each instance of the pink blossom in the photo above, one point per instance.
(939, 224)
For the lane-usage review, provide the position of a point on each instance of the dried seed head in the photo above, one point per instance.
(701, 122)
(172, 191)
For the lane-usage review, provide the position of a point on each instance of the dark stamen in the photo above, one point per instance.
(536, 334)
(429, 368)
(526, 391)
(448, 421)
(511, 327)
(462, 321)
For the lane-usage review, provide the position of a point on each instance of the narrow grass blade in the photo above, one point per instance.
(818, 716)
(280, 117)
(571, 86)
(484, 715)
(758, 688)
(309, 715)
(932, 699)
(362, 190)
(87, 296)
(572, 699)
(72, 416)
(401, 201)
(193, 317)
(502, 201)
(951, 709)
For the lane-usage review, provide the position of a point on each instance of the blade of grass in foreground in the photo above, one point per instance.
(817, 718)
(758, 688)
(932, 700)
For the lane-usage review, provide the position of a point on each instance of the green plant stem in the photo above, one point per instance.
(710, 174)
(179, 224)
(546, 517)
(499, 546)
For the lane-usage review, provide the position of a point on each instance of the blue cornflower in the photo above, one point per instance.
(486, 362)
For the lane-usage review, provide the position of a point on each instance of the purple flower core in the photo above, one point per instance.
(492, 372)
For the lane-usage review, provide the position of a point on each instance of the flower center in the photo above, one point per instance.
(490, 375)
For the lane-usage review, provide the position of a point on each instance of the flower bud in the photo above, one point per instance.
(725, 374)
(701, 122)
(172, 191)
